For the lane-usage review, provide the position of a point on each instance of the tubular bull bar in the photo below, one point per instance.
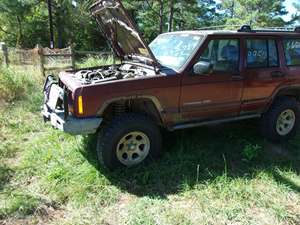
(56, 111)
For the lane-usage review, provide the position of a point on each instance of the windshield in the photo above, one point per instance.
(173, 50)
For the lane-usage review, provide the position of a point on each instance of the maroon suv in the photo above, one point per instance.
(181, 80)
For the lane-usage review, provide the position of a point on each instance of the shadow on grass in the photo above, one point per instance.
(5, 176)
(214, 150)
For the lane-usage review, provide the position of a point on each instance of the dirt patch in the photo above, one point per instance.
(113, 215)
(43, 215)
(3, 103)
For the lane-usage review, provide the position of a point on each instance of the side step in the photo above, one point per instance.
(212, 122)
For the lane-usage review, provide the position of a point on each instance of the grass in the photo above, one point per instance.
(95, 61)
(225, 174)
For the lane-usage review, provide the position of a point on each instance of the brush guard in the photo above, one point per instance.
(56, 111)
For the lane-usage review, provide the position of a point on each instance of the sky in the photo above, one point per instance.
(290, 8)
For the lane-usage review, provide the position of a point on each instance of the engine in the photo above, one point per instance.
(116, 72)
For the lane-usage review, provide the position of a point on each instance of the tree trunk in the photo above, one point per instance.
(232, 9)
(171, 15)
(60, 36)
(60, 26)
(20, 32)
(161, 16)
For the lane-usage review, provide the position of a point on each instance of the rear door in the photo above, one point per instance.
(263, 71)
(218, 93)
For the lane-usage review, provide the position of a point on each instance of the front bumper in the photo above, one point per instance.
(55, 111)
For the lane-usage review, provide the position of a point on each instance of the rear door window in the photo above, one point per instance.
(262, 53)
(292, 51)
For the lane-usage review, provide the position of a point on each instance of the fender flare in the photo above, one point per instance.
(286, 89)
(153, 99)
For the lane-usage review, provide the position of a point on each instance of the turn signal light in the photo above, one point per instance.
(80, 105)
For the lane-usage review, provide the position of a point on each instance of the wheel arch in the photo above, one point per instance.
(286, 91)
(147, 104)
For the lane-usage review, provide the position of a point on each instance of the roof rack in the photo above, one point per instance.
(218, 27)
(247, 28)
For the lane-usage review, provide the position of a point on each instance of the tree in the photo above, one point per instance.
(229, 8)
(262, 13)
(13, 19)
(25, 22)
(155, 17)
(295, 17)
(171, 15)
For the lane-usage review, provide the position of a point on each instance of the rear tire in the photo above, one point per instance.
(128, 140)
(281, 121)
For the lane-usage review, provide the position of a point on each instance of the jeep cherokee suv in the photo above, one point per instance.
(181, 80)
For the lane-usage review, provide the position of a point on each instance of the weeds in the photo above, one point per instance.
(15, 85)
(95, 61)
(17, 203)
(251, 151)
(210, 175)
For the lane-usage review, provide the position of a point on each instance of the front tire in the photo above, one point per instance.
(281, 122)
(128, 140)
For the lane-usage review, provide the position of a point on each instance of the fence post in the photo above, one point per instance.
(4, 50)
(72, 52)
(40, 53)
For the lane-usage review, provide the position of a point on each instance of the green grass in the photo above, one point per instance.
(95, 61)
(17, 203)
(15, 84)
(225, 174)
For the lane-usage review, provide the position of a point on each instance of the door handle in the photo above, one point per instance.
(277, 74)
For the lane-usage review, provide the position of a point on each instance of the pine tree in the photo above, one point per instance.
(261, 13)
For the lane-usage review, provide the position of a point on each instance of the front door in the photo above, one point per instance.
(215, 92)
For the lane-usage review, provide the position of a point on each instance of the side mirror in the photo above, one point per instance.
(202, 67)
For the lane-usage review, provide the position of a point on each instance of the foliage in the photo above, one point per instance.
(94, 61)
(296, 17)
(17, 203)
(15, 85)
(261, 13)
(155, 17)
(25, 22)
(251, 151)
(21, 20)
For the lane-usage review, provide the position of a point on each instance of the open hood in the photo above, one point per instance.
(121, 32)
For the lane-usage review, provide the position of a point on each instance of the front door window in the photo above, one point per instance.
(222, 55)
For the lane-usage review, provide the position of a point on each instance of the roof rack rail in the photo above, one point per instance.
(218, 27)
(247, 28)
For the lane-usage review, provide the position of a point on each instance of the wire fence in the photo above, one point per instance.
(47, 60)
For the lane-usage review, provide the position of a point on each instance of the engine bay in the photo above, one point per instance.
(110, 73)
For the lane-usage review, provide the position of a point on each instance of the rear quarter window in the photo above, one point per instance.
(292, 51)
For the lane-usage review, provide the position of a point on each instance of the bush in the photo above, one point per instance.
(15, 85)
(95, 61)
(251, 151)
